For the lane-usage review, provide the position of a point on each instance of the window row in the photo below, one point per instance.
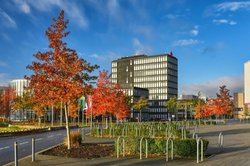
(158, 110)
(151, 84)
(158, 90)
(150, 60)
(114, 64)
(151, 66)
(150, 72)
(114, 70)
(158, 97)
(151, 78)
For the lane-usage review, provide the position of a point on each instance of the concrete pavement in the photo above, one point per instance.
(236, 151)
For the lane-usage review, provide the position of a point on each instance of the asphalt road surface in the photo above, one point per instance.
(42, 141)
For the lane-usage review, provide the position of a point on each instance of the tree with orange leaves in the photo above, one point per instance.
(59, 74)
(7, 97)
(108, 98)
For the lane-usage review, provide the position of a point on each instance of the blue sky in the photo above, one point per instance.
(210, 38)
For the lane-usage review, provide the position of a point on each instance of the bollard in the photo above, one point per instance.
(199, 156)
(172, 149)
(33, 149)
(16, 153)
(220, 142)
(141, 147)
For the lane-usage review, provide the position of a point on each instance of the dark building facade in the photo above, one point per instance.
(135, 93)
(157, 73)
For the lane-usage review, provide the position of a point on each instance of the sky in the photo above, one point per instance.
(210, 38)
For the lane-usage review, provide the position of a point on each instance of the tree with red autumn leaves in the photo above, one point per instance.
(220, 106)
(108, 98)
(7, 97)
(59, 74)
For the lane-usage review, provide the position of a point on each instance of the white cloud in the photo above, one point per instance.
(23, 6)
(140, 48)
(233, 6)
(224, 21)
(6, 19)
(195, 31)
(71, 9)
(4, 79)
(186, 42)
(3, 64)
(106, 57)
(210, 88)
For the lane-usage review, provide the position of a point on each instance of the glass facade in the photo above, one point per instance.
(158, 73)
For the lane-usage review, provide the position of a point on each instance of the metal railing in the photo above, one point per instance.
(146, 141)
(170, 140)
(118, 147)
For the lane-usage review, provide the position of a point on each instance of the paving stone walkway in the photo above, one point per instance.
(236, 151)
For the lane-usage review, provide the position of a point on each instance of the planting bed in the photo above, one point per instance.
(86, 151)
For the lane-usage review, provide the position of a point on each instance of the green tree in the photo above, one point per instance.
(245, 111)
(23, 102)
(172, 104)
(140, 104)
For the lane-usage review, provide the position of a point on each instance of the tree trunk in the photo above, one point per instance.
(67, 126)
(140, 115)
(39, 121)
(52, 116)
(61, 114)
(83, 117)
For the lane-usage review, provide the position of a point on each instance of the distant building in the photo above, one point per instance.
(135, 93)
(157, 73)
(19, 85)
(238, 102)
(187, 97)
(247, 83)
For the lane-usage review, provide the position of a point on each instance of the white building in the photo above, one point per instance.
(19, 85)
(247, 82)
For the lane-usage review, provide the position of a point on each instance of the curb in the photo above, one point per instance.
(29, 156)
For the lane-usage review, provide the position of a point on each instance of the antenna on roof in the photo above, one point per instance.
(171, 53)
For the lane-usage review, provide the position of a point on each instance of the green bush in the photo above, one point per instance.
(3, 124)
(157, 146)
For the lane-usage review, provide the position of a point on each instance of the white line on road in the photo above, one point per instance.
(39, 139)
(58, 134)
(50, 136)
(22, 143)
(6, 147)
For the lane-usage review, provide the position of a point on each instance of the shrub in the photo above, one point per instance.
(75, 139)
(157, 146)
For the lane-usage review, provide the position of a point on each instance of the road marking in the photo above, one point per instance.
(39, 139)
(58, 134)
(50, 136)
(6, 147)
(22, 143)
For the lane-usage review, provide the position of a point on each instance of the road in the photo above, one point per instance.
(43, 141)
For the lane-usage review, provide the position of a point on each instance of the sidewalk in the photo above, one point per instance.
(236, 151)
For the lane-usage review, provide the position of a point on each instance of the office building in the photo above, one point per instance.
(238, 105)
(157, 73)
(247, 83)
(135, 93)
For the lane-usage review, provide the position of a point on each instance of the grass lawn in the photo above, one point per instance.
(11, 128)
